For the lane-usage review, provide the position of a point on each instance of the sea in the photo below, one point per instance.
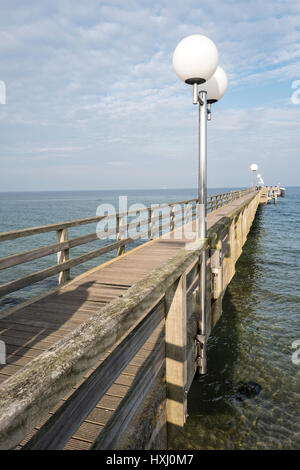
(256, 340)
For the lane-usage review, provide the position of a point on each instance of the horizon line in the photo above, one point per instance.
(114, 189)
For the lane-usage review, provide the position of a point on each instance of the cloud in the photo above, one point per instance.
(118, 164)
(94, 81)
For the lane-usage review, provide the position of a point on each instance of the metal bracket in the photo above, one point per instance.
(201, 338)
(201, 341)
(201, 101)
(209, 111)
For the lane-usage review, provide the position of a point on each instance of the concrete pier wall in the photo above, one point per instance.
(150, 428)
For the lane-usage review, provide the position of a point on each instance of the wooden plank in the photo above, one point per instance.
(120, 420)
(47, 250)
(176, 355)
(21, 351)
(26, 326)
(15, 341)
(26, 335)
(40, 275)
(120, 234)
(57, 431)
(25, 232)
(63, 256)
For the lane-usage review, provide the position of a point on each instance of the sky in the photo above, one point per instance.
(92, 100)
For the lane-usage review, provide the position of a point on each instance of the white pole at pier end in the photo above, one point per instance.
(254, 168)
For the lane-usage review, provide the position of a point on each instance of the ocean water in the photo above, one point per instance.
(251, 342)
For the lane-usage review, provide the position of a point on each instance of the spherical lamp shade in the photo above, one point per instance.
(254, 167)
(216, 86)
(258, 176)
(195, 59)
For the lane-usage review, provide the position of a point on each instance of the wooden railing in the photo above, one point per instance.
(154, 226)
(163, 298)
(129, 321)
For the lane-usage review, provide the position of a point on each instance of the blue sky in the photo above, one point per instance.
(92, 101)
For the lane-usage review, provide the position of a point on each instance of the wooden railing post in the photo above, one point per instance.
(187, 213)
(120, 222)
(62, 256)
(172, 219)
(150, 226)
(160, 224)
(176, 355)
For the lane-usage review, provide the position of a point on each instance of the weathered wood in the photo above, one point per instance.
(172, 220)
(50, 376)
(60, 428)
(120, 420)
(120, 234)
(25, 232)
(176, 354)
(31, 255)
(40, 275)
(63, 256)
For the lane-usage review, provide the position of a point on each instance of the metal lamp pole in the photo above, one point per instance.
(195, 61)
(202, 219)
(254, 179)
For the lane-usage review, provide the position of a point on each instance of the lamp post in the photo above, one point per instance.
(195, 61)
(260, 181)
(254, 168)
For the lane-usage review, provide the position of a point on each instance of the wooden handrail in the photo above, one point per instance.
(64, 244)
(141, 308)
(25, 232)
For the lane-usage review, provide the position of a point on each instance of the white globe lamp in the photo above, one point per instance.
(216, 86)
(195, 59)
(254, 168)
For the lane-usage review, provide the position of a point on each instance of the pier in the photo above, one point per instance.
(271, 193)
(106, 360)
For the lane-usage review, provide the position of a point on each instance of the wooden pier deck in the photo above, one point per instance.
(29, 331)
